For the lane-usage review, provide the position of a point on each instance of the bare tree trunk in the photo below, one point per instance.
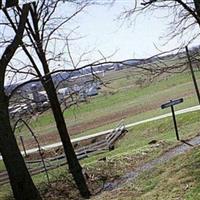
(20, 179)
(74, 165)
(37, 40)
(197, 7)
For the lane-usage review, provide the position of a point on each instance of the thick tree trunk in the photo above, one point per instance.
(20, 179)
(74, 166)
(197, 7)
(47, 82)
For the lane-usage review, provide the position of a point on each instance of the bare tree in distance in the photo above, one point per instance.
(20, 180)
(184, 24)
(184, 16)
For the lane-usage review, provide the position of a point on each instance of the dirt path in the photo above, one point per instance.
(131, 176)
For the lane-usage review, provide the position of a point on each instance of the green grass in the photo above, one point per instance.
(106, 103)
(132, 150)
(136, 141)
(5, 192)
(139, 136)
(2, 166)
(123, 99)
(178, 179)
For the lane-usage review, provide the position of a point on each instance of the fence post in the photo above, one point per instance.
(23, 146)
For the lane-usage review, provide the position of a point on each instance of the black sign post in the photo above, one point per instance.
(171, 104)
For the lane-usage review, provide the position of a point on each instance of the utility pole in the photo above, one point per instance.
(193, 75)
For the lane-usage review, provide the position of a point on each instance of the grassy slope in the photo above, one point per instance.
(132, 150)
(137, 138)
(178, 179)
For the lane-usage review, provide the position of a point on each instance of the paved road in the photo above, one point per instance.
(54, 145)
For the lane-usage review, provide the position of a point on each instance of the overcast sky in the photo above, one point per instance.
(103, 34)
(102, 31)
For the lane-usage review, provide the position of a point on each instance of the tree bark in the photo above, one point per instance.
(37, 41)
(20, 179)
(197, 7)
(73, 163)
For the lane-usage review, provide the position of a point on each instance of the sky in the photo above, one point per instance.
(103, 35)
(103, 31)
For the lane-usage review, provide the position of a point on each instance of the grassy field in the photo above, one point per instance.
(121, 96)
(131, 151)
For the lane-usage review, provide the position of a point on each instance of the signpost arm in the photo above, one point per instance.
(175, 124)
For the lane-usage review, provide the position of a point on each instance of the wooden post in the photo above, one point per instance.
(175, 124)
(23, 146)
(193, 75)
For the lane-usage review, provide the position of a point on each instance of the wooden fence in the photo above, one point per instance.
(105, 144)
